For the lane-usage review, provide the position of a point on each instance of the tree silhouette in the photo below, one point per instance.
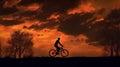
(107, 32)
(112, 31)
(20, 44)
(9, 51)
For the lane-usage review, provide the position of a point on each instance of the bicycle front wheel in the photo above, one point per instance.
(52, 53)
(64, 53)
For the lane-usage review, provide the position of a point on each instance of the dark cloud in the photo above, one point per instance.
(9, 22)
(114, 15)
(6, 11)
(50, 7)
(108, 4)
(95, 31)
(49, 25)
(28, 13)
(28, 2)
(75, 24)
(1, 3)
(101, 11)
(59, 5)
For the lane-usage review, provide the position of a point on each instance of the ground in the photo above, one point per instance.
(73, 61)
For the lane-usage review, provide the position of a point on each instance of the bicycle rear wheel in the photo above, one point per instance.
(64, 53)
(52, 53)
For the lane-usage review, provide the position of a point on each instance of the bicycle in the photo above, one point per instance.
(63, 52)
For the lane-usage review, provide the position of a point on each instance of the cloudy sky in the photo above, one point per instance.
(49, 19)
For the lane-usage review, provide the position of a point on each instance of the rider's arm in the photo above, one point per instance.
(60, 44)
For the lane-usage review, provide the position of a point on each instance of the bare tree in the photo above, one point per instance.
(20, 43)
(114, 29)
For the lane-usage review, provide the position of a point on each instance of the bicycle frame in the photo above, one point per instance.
(61, 49)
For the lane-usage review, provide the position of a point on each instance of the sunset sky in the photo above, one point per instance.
(49, 19)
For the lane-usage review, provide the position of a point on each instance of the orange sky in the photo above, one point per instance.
(48, 16)
(44, 41)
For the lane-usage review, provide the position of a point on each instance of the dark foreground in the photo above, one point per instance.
(73, 62)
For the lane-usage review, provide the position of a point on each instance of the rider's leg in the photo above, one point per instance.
(58, 49)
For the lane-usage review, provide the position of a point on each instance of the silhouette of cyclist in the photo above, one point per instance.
(57, 46)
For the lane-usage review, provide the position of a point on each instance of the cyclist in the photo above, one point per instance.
(57, 46)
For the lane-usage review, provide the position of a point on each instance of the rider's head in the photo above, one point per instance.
(58, 38)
